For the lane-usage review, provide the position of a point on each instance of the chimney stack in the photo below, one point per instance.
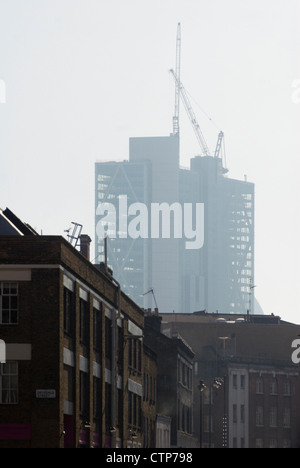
(85, 242)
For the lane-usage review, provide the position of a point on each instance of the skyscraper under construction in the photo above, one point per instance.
(161, 271)
(155, 268)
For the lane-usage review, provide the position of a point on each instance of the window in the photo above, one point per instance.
(108, 338)
(134, 409)
(287, 388)
(68, 297)
(69, 383)
(259, 443)
(9, 303)
(183, 374)
(208, 423)
(120, 349)
(259, 416)
(84, 393)
(139, 356)
(135, 354)
(120, 408)
(139, 411)
(97, 328)
(178, 370)
(242, 381)
(9, 383)
(286, 417)
(130, 353)
(108, 405)
(207, 396)
(287, 443)
(129, 408)
(97, 397)
(242, 413)
(273, 387)
(84, 322)
(259, 386)
(273, 416)
(234, 413)
(234, 381)
(273, 443)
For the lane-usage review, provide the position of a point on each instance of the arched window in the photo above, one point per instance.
(273, 387)
(259, 385)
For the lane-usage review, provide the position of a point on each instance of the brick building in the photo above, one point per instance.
(175, 399)
(74, 367)
(247, 389)
(149, 397)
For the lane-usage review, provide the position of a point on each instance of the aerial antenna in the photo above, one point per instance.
(74, 237)
(151, 291)
(177, 90)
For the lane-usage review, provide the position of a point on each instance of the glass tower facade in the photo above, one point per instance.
(216, 277)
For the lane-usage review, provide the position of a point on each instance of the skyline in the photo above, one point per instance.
(82, 78)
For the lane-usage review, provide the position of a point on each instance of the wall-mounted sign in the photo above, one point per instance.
(45, 393)
(2, 352)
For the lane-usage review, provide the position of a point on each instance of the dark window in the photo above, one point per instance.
(8, 303)
(84, 322)
(68, 311)
(120, 408)
(84, 393)
(9, 385)
(108, 405)
(130, 408)
(108, 338)
(120, 349)
(97, 328)
(130, 352)
(139, 356)
(97, 397)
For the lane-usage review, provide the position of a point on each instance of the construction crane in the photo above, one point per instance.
(219, 144)
(224, 170)
(191, 114)
(177, 92)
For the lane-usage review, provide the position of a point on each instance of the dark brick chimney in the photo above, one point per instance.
(85, 242)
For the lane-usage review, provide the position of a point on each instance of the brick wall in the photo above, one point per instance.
(41, 324)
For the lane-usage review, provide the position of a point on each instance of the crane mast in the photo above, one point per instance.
(177, 92)
(181, 92)
(219, 144)
(191, 115)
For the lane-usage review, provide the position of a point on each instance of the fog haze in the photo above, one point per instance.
(82, 77)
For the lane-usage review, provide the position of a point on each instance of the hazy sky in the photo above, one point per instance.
(83, 76)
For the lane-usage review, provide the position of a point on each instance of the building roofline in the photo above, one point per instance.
(78, 254)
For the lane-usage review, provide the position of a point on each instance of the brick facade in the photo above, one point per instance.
(251, 397)
(175, 381)
(69, 324)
